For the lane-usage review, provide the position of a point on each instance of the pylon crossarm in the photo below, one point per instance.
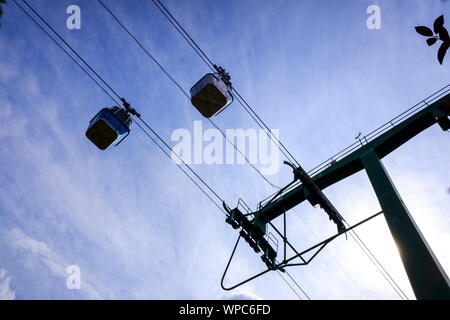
(382, 141)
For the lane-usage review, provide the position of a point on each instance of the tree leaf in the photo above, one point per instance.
(443, 50)
(431, 41)
(424, 31)
(443, 34)
(1, 10)
(438, 24)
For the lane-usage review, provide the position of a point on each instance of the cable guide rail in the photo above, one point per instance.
(270, 257)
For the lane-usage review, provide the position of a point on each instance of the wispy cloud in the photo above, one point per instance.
(52, 260)
(241, 295)
(6, 292)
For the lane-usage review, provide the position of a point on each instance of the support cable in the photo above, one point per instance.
(212, 66)
(246, 106)
(180, 87)
(141, 46)
(143, 122)
(334, 258)
(371, 258)
(263, 126)
(66, 52)
(179, 166)
(289, 285)
(183, 33)
(181, 159)
(380, 268)
(70, 47)
(296, 283)
(113, 99)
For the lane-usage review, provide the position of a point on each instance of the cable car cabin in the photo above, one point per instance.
(108, 126)
(210, 95)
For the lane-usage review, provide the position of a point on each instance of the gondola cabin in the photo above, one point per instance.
(108, 126)
(210, 95)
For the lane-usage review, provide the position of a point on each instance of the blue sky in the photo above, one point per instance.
(136, 226)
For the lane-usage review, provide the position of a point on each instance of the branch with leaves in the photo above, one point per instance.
(440, 33)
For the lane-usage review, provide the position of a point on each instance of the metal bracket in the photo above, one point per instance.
(317, 196)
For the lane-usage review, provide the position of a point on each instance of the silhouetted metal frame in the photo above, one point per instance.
(285, 263)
